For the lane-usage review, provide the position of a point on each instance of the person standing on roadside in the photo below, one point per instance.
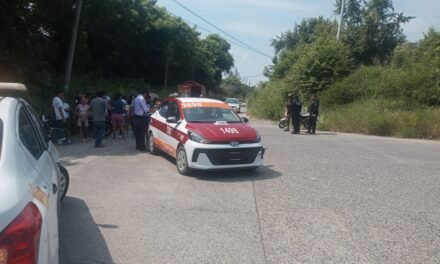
(98, 106)
(288, 113)
(118, 119)
(82, 111)
(140, 110)
(296, 114)
(61, 117)
(314, 112)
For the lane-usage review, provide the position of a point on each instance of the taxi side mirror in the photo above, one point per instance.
(245, 119)
(171, 119)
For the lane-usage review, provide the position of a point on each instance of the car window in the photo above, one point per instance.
(28, 135)
(210, 115)
(163, 110)
(173, 110)
(38, 125)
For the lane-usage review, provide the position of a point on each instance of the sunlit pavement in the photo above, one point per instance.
(327, 198)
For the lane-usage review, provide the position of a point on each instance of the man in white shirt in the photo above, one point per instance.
(61, 117)
(140, 109)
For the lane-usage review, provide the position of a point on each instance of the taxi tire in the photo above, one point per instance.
(153, 149)
(181, 154)
(65, 175)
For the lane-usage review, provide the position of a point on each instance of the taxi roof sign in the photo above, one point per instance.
(12, 87)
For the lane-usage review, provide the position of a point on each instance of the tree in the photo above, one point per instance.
(215, 50)
(318, 66)
(372, 29)
(234, 86)
(117, 39)
(288, 46)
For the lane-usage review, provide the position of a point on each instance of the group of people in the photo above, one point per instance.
(120, 110)
(293, 111)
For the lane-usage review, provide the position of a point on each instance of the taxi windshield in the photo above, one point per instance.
(210, 115)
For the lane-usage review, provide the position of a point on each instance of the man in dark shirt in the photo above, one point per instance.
(296, 114)
(99, 110)
(313, 111)
(289, 110)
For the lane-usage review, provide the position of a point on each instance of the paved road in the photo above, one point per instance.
(328, 198)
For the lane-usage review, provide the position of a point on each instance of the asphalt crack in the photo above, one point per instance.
(260, 230)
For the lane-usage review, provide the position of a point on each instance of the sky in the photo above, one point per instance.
(257, 22)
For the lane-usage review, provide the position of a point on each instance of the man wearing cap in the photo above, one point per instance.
(140, 110)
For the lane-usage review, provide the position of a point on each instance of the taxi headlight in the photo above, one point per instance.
(196, 137)
(258, 138)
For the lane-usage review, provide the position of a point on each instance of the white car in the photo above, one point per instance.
(234, 103)
(204, 134)
(32, 184)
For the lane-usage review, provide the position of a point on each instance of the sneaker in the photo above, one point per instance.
(83, 140)
(124, 138)
(286, 129)
(99, 146)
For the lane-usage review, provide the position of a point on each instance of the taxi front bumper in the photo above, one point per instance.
(224, 156)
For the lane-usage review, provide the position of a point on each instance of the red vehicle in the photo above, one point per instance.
(204, 134)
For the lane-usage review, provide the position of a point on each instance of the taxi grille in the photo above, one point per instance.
(233, 156)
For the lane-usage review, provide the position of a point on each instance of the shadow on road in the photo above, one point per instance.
(237, 175)
(114, 147)
(260, 174)
(81, 240)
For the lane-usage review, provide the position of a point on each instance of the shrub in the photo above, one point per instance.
(375, 117)
(267, 101)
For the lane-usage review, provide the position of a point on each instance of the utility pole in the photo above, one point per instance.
(340, 19)
(72, 47)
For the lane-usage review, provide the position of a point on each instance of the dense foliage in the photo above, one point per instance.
(233, 86)
(371, 81)
(117, 40)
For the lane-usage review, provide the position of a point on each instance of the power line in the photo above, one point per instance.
(207, 30)
(221, 30)
(253, 76)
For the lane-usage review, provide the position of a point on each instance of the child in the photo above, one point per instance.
(82, 110)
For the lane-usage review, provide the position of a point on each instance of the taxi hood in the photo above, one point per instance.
(224, 132)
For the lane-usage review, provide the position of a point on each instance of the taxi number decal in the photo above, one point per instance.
(191, 105)
(229, 130)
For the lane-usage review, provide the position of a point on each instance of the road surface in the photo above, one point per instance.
(328, 198)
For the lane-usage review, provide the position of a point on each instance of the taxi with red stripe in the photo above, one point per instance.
(204, 134)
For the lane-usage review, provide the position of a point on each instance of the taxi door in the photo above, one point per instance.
(172, 132)
(35, 147)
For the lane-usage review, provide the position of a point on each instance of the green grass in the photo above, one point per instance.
(378, 118)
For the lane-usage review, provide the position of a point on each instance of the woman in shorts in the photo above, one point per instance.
(82, 110)
(118, 119)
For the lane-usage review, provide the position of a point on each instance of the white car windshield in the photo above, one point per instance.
(210, 115)
(232, 101)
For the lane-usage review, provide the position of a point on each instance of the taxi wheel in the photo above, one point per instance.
(64, 183)
(182, 161)
(152, 147)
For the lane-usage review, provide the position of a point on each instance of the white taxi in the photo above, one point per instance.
(32, 183)
(204, 134)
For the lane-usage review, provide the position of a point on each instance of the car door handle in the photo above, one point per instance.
(54, 188)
